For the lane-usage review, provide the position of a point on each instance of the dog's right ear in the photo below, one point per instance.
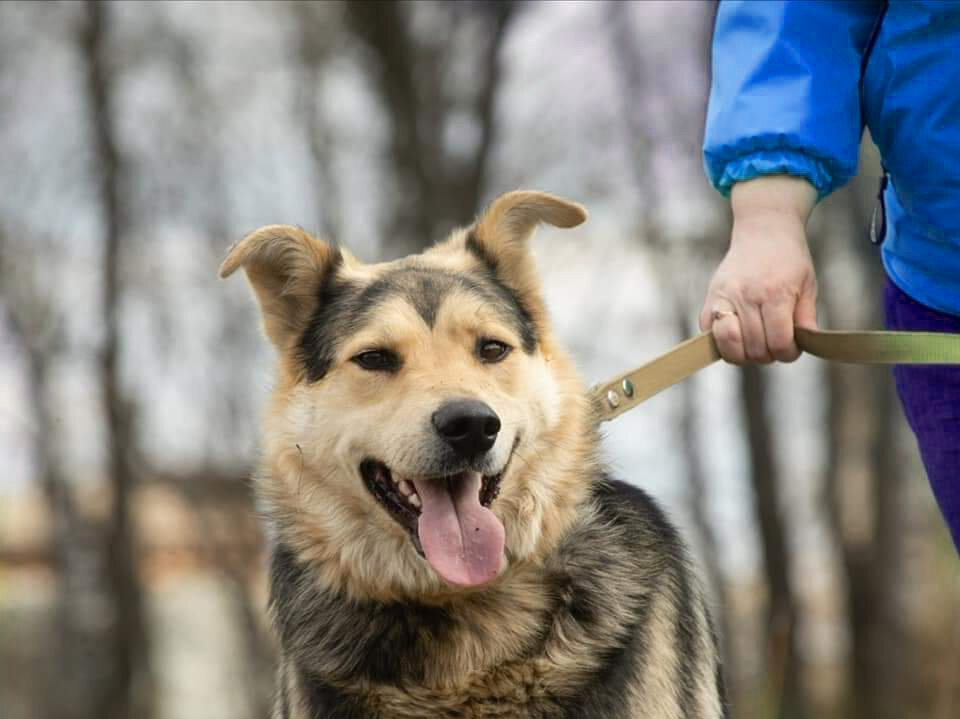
(500, 240)
(287, 267)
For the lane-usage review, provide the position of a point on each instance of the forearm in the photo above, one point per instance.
(773, 197)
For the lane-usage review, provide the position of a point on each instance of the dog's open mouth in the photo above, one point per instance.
(449, 519)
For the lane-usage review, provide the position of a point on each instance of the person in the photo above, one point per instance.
(794, 82)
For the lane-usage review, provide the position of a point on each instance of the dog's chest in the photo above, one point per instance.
(411, 668)
(517, 690)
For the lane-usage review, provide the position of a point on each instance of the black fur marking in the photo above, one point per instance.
(474, 247)
(686, 644)
(316, 355)
(642, 523)
(425, 289)
(490, 264)
(718, 678)
(607, 693)
(384, 642)
(325, 702)
(675, 578)
(722, 690)
(344, 307)
(525, 324)
(283, 696)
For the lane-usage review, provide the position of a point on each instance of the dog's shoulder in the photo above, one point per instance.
(623, 545)
(623, 574)
(624, 500)
(638, 520)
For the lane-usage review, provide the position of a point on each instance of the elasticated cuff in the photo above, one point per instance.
(824, 175)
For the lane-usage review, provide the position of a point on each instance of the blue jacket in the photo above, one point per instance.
(794, 83)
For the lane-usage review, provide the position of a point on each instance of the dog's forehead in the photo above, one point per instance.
(424, 287)
(353, 301)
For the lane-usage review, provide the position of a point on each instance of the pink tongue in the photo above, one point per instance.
(462, 539)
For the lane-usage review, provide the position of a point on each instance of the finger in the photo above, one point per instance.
(805, 313)
(754, 337)
(726, 333)
(778, 328)
(714, 308)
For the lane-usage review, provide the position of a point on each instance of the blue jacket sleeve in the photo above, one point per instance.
(784, 97)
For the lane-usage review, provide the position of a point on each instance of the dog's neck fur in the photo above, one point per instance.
(409, 654)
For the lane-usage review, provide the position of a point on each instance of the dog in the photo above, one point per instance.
(445, 540)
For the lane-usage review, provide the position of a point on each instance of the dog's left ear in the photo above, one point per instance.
(286, 267)
(501, 237)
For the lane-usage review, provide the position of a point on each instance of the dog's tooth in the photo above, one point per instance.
(406, 488)
(414, 499)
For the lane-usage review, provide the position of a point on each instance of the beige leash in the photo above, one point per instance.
(626, 391)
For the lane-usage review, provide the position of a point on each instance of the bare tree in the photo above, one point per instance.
(33, 326)
(126, 690)
(314, 35)
(435, 189)
(781, 618)
(222, 499)
(873, 562)
(675, 259)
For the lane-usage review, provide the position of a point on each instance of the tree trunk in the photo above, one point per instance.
(785, 674)
(29, 322)
(313, 46)
(880, 642)
(434, 193)
(125, 692)
(635, 82)
(861, 433)
(697, 482)
(470, 178)
(383, 28)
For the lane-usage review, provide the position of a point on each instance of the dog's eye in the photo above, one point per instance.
(377, 360)
(492, 350)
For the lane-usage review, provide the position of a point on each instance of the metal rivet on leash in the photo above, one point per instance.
(613, 399)
(627, 386)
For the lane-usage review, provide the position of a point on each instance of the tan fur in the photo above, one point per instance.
(316, 433)
(328, 514)
(284, 265)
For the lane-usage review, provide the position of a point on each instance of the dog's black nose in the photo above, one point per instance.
(469, 426)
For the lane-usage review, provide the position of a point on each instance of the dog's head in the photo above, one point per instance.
(424, 431)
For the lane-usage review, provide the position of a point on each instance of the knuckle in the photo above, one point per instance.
(727, 334)
(725, 289)
(770, 293)
(754, 293)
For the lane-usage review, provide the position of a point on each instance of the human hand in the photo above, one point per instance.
(765, 285)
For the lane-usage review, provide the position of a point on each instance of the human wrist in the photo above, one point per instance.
(773, 197)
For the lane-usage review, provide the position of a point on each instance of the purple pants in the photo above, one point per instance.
(931, 402)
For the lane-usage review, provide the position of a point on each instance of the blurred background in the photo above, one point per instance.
(138, 140)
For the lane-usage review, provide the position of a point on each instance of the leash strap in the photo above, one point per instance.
(625, 391)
